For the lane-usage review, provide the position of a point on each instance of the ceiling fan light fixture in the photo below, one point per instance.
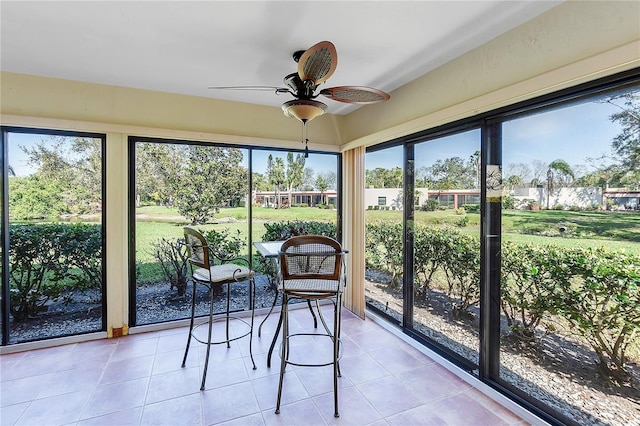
(303, 109)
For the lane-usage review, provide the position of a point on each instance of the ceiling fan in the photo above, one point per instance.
(315, 66)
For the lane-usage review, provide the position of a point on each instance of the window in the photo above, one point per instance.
(382, 201)
(54, 218)
(181, 184)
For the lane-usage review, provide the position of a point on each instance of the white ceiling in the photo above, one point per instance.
(185, 46)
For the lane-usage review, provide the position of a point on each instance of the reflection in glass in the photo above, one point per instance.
(570, 246)
(383, 234)
(447, 242)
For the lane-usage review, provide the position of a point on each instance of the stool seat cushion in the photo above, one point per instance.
(313, 286)
(222, 273)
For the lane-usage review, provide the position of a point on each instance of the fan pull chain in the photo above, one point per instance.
(305, 139)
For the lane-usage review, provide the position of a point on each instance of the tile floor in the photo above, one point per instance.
(137, 380)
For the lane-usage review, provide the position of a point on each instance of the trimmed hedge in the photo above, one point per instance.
(594, 290)
(283, 230)
(48, 261)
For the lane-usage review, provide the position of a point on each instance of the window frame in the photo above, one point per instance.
(4, 234)
(131, 144)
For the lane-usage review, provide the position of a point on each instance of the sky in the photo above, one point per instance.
(573, 133)
(18, 160)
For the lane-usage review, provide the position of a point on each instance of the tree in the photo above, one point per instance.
(452, 173)
(201, 179)
(295, 173)
(539, 172)
(151, 185)
(308, 179)
(330, 178)
(474, 161)
(276, 175)
(260, 182)
(559, 174)
(627, 143)
(513, 181)
(74, 165)
(33, 197)
(521, 170)
(322, 185)
(384, 178)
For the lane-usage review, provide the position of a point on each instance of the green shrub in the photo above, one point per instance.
(430, 205)
(384, 248)
(430, 254)
(49, 261)
(280, 231)
(223, 244)
(462, 269)
(172, 257)
(283, 230)
(460, 211)
(596, 291)
(599, 294)
(473, 208)
(508, 203)
(462, 222)
(527, 285)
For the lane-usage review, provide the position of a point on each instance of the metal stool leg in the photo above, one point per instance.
(227, 314)
(275, 337)
(313, 314)
(275, 300)
(336, 367)
(284, 349)
(252, 305)
(206, 359)
(193, 311)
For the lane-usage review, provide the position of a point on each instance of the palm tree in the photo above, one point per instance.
(11, 171)
(559, 174)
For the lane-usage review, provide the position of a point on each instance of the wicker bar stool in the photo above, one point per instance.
(311, 269)
(216, 276)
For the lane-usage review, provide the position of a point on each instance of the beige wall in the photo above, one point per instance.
(573, 43)
(157, 114)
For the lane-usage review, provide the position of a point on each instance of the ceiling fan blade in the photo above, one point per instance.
(318, 62)
(355, 94)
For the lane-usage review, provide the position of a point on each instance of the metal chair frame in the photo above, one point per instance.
(223, 274)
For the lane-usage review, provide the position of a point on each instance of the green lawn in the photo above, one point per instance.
(613, 230)
(164, 222)
(240, 213)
